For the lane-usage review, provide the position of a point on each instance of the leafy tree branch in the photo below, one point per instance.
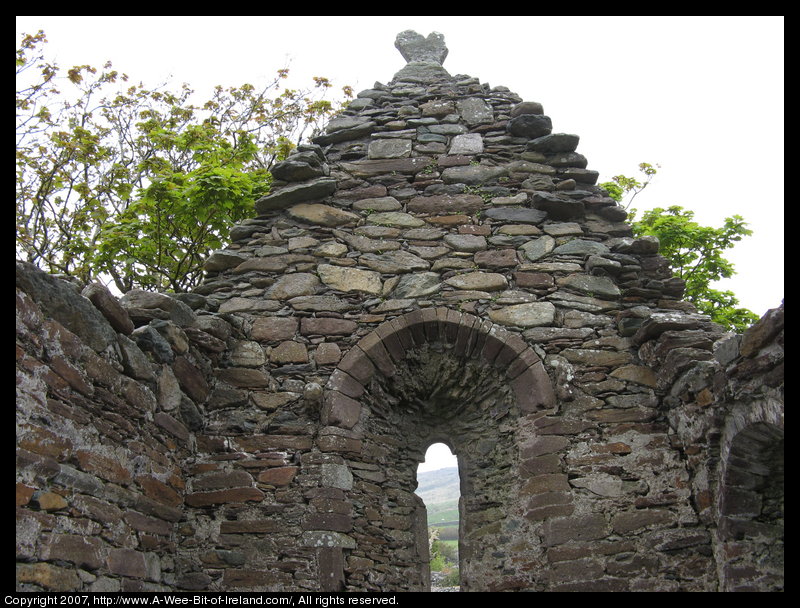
(695, 252)
(139, 184)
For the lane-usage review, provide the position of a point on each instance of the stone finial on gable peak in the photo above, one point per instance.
(416, 48)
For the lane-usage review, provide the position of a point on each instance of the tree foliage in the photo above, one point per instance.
(139, 184)
(695, 252)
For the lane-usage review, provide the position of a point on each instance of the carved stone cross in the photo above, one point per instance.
(416, 48)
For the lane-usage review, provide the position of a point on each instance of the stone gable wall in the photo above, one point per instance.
(437, 266)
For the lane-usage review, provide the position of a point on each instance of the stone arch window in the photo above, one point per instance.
(443, 502)
(751, 526)
(428, 376)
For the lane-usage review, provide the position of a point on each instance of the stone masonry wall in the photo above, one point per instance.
(105, 419)
(437, 266)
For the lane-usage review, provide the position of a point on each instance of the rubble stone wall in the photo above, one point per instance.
(439, 265)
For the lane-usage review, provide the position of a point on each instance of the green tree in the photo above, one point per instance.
(140, 184)
(695, 252)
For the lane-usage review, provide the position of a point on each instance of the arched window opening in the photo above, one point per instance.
(751, 510)
(439, 487)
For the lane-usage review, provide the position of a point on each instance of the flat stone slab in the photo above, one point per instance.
(389, 148)
(472, 174)
(350, 279)
(467, 143)
(395, 218)
(323, 215)
(517, 215)
(371, 168)
(446, 203)
(314, 190)
(533, 314)
(555, 142)
(394, 262)
(482, 281)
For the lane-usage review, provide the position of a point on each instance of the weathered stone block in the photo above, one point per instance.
(127, 562)
(322, 215)
(623, 523)
(217, 497)
(191, 379)
(358, 365)
(549, 482)
(278, 476)
(340, 410)
(579, 528)
(84, 552)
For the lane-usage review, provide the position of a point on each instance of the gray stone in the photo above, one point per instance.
(176, 310)
(555, 142)
(518, 199)
(301, 242)
(247, 353)
(336, 476)
(568, 159)
(350, 279)
(317, 538)
(525, 166)
(416, 48)
(358, 130)
(536, 249)
(516, 215)
(320, 303)
(394, 262)
(248, 305)
(395, 218)
(287, 196)
(475, 111)
(421, 71)
(446, 203)
(437, 108)
(530, 126)
(482, 281)
(581, 247)
(466, 242)
(341, 123)
(600, 287)
(605, 358)
(384, 203)
(601, 484)
(417, 285)
(564, 229)
(293, 285)
(447, 129)
(135, 362)
(112, 310)
(323, 215)
(61, 302)
(539, 182)
(299, 167)
(557, 206)
(150, 340)
(288, 352)
(365, 244)
(527, 107)
(467, 143)
(533, 314)
(472, 174)
(331, 250)
(389, 148)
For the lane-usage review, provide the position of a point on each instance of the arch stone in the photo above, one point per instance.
(470, 338)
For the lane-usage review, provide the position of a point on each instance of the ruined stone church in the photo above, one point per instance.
(438, 266)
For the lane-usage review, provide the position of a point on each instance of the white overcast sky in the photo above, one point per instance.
(700, 96)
